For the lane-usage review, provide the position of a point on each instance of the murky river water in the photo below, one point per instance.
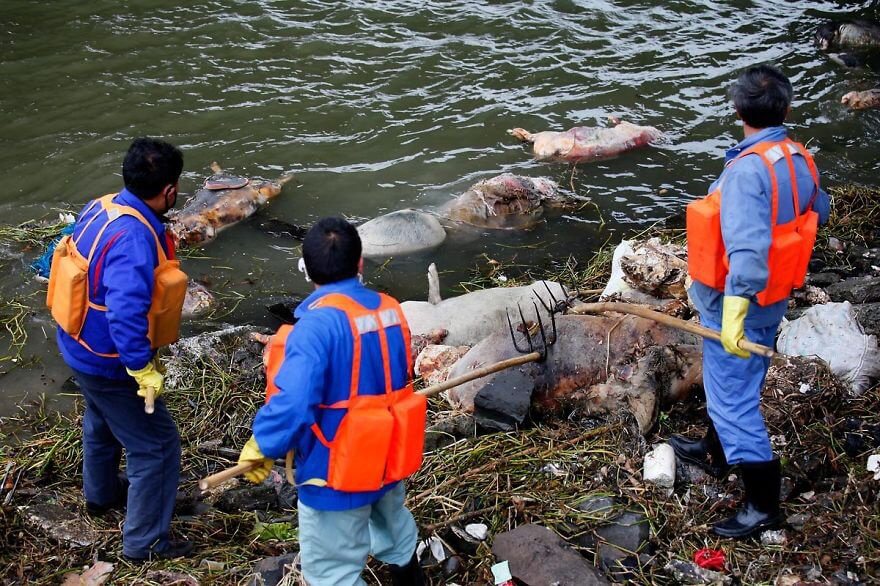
(382, 105)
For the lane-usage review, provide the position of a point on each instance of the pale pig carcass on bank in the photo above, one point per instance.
(584, 144)
(597, 365)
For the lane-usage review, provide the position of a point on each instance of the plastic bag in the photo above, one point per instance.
(831, 332)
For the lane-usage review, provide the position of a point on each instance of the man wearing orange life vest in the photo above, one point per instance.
(342, 400)
(749, 243)
(107, 338)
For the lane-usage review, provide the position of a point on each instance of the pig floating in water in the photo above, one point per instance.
(504, 202)
(862, 100)
(855, 34)
(583, 143)
(225, 200)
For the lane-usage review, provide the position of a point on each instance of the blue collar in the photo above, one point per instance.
(129, 199)
(771, 134)
(346, 286)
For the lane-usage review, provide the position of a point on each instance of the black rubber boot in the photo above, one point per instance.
(175, 549)
(408, 575)
(760, 509)
(706, 452)
(118, 504)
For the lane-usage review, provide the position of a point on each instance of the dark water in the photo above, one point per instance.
(378, 106)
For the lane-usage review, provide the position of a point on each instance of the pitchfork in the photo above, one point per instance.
(532, 351)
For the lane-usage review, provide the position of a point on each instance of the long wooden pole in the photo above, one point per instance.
(479, 373)
(668, 320)
(150, 401)
(224, 475)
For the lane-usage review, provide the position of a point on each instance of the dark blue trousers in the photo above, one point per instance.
(114, 419)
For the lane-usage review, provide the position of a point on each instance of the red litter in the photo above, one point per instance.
(710, 559)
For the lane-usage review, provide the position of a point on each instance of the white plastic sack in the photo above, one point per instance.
(831, 332)
(617, 288)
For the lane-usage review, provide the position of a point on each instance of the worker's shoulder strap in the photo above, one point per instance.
(274, 358)
(363, 321)
(115, 211)
(770, 152)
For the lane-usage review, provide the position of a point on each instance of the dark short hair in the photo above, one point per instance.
(331, 251)
(150, 164)
(762, 96)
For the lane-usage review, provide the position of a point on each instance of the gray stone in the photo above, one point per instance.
(449, 430)
(868, 316)
(502, 405)
(250, 498)
(539, 557)
(270, 571)
(798, 520)
(856, 290)
(601, 507)
(823, 279)
(625, 536)
(60, 524)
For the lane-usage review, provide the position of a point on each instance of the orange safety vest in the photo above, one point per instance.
(381, 437)
(68, 294)
(791, 243)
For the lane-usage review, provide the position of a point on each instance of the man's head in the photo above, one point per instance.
(332, 251)
(762, 96)
(151, 171)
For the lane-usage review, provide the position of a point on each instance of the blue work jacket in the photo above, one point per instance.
(317, 371)
(120, 278)
(745, 226)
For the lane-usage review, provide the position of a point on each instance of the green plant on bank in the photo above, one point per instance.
(855, 214)
(34, 234)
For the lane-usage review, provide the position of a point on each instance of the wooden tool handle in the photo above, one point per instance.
(480, 372)
(668, 320)
(224, 475)
(150, 401)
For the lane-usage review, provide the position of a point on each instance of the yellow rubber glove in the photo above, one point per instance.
(733, 318)
(251, 453)
(148, 376)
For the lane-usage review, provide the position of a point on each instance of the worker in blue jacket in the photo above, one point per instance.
(337, 530)
(113, 361)
(733, 379)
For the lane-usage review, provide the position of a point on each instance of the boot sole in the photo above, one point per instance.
(770, 524)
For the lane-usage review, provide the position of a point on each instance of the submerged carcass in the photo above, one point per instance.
(224, 200)
(584, 144)
(506, 201)
(597, 365)
(853, 34)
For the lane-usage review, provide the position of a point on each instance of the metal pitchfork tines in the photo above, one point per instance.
(555, 305)
(541, 348)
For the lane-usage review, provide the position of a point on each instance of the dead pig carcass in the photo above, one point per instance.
(597, 365)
